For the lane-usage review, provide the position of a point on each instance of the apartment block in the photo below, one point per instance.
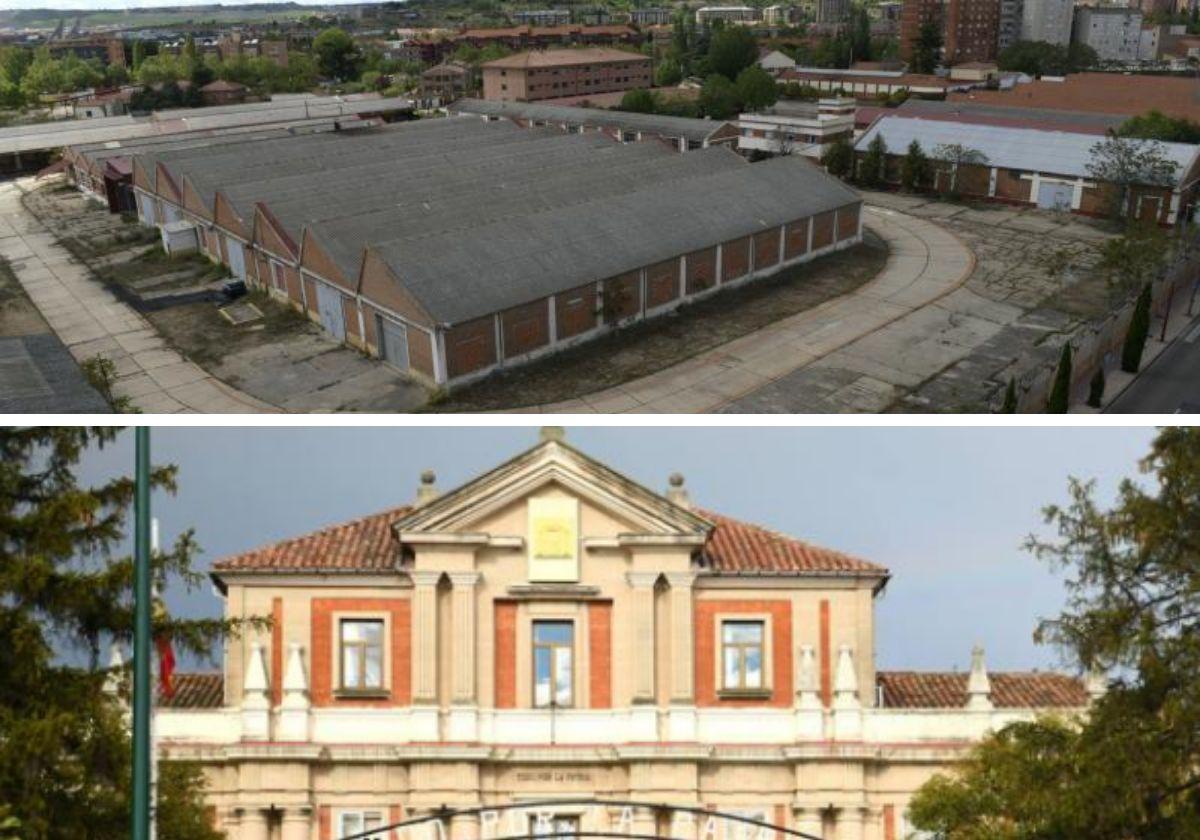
(1047, 20)
(972, 30)
(548, 74)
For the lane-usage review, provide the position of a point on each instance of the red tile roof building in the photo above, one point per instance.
(549, 74)
(553, 629)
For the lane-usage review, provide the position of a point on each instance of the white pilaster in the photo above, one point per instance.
(294, 710)
(424, 641)
(643, 635)
(847, 708)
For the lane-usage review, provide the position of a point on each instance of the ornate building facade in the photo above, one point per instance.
(552, 630)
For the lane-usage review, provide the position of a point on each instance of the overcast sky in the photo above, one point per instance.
(945, 509)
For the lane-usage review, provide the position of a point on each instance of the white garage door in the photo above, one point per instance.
(393, 343)
(1053, 195)
(329, 307)
(237, 258)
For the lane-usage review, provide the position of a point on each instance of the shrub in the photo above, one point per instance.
(1139, 330)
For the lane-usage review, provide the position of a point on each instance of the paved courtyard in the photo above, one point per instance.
(185, 356)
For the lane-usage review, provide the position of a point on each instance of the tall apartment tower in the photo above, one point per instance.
(1010, 24)
(972, 30)
(913, 15)
(1047, 20)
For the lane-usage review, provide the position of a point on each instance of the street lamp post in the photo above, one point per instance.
(141, 637)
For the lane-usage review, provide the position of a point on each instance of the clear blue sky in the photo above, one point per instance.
(946, 509)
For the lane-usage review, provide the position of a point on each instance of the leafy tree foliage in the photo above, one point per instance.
(1126, 162)
(871, 167)
(756, 89)
(927, 51)
(956, 155)
(838, 158)
(1039, 58)
(337, 54)
(669, 73)
(1139, 331)
(639, 101)
(1155, 125)
(718, 98)
(64, 594)
(731, 50)
(1060, 391)
(1131, 767)
(914, 167)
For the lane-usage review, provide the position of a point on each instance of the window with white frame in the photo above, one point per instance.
(553, 654)
(742, 655)
(360, 645)
(353, 823)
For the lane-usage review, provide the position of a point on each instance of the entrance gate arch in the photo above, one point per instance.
(432, 826)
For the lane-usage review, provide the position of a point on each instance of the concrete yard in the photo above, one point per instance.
(187, 356)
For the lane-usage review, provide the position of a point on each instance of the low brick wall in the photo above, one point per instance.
(1100, 343)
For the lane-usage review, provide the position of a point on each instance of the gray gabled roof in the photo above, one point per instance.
(686, 127)
(460, 275)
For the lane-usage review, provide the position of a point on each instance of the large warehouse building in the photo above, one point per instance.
(451, 247)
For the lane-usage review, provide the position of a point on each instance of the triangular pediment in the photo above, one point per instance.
(553, 463)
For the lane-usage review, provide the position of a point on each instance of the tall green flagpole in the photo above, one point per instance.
(141, 638)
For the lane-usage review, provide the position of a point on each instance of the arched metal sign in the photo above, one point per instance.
(539, 818)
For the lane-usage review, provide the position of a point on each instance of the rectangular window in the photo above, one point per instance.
(280, 278)
(352, 823)
(362, 654)
(742, 655)
(553, 677)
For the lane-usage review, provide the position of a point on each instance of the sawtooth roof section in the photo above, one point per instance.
(686, 127)
(1010, 690)
(1010, 116)
(513, 261)
(1033, 150)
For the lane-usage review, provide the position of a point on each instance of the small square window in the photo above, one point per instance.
(742, 655)
(353, 823)
(361, 643)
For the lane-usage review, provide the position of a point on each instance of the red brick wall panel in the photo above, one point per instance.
(889, 822)
(575, 311)
(471, 346)
(795, 239)
(847, 222)
(525, 328)
(822, 230)
(506, 654)
(735, 259)
(662, 283)
(826, 657)
(323, 678)
(766, 248)
(707, 650)
(600, 655)
(701, 270)
(622, 296)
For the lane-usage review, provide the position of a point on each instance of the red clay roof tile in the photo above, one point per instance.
(195, 691)
(743, 548)
(1010, 690)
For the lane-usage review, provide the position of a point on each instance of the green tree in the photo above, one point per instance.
(956, 156)
(1060, 392)
(65, 593)
(718, 98)
(639, 101)
(1124, 163)
(927, 51)
(756, 89)
(139, 54)
(914, 167)
(860, 36)
(337, 54)
(1096, 388)
(731, 50)
(1131, 767)
(873, 163)
(1155, 125)
(669, 73)
(838, 158)
(1139, 331)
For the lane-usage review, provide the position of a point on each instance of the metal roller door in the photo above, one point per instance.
(393, 342)
(329, 307)
(237, 258)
